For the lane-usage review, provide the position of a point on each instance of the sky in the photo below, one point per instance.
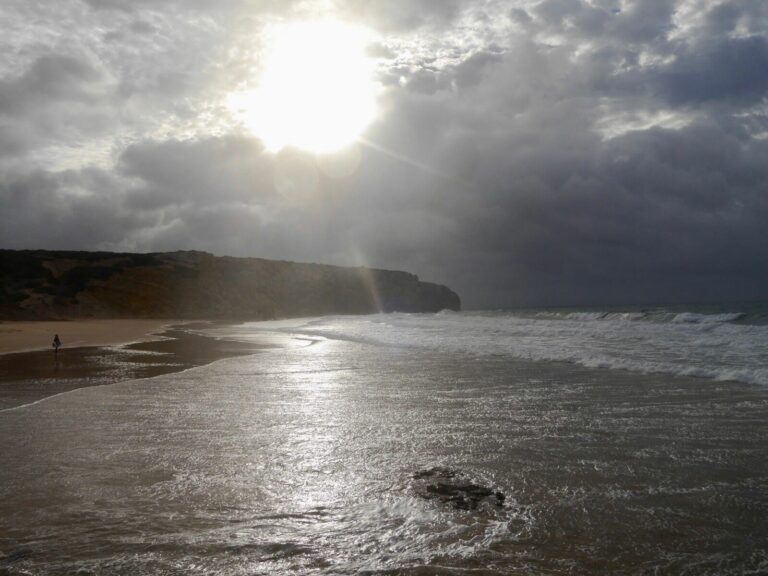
(523, 152)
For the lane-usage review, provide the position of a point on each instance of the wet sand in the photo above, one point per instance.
(27, 377)
(25, 336)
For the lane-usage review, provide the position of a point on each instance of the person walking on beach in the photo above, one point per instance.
(56, 345)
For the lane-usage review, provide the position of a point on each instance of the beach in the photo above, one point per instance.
(100, 352)
(34, 335)
(317, 457)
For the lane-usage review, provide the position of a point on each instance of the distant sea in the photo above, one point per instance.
(624, 441)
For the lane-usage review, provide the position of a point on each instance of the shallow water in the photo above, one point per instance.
(301, 460)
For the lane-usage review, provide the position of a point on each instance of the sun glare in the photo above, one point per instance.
(315, 90)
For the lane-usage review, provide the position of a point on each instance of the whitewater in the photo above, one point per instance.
(727, 346)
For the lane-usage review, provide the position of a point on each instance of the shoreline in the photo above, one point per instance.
(29, 376)
(33, 335)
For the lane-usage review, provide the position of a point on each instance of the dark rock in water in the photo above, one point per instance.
(448, 487)
(435, 472)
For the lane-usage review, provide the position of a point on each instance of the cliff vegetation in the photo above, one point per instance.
(39, 284)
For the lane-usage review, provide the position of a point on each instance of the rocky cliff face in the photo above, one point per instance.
(36, 284)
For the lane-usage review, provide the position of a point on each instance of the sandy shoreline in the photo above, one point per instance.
(29, 376)
(29, 336)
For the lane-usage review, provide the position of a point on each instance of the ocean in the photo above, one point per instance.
(568, 441)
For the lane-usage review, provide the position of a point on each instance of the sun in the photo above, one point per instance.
(315, 90)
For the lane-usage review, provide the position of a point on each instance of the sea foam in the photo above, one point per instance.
(680, 343)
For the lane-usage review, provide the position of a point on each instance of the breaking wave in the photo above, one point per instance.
(718, 346)
(658, 316)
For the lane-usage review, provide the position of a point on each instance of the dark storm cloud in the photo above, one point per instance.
(557, 214)
(50, 78)
(649, 215)
(631, 23)
(67, 209)
(527, 152)
(732, 69)
(200, 172)
(57, 97)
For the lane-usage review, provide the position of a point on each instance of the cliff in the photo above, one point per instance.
(39, 284)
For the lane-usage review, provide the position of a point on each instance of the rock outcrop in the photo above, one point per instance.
(37, 284)
(451, 488)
